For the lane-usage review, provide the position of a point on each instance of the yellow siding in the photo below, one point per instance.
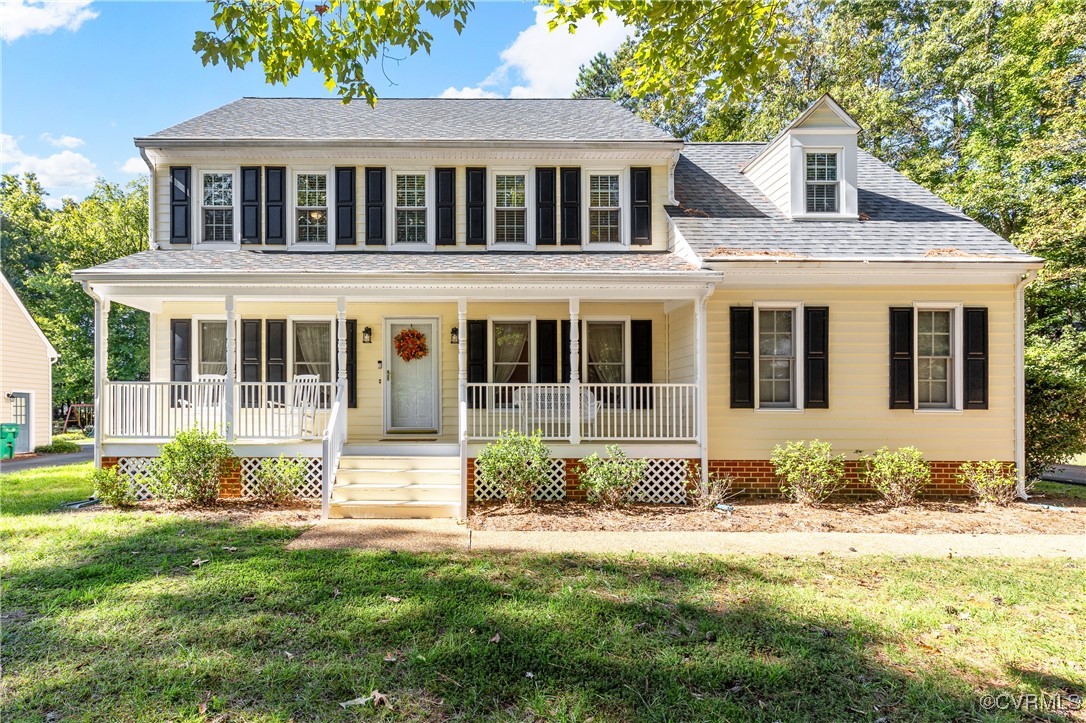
(859, 417)
(24, 367)
(681, 352)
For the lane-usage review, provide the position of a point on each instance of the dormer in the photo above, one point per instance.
(809, 170)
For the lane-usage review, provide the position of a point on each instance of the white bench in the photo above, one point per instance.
(550, 403)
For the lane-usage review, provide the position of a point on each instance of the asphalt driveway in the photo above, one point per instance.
(85, 454)
(1075, 474)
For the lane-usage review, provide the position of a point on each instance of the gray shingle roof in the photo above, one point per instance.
(412, 119)
(721, 214)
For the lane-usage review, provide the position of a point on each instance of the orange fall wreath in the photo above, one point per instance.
(410, 345)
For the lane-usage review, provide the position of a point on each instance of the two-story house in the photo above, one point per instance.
(383, 290)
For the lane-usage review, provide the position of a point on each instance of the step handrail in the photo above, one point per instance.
(332, 448)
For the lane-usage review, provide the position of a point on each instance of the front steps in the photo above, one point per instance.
(383, 487)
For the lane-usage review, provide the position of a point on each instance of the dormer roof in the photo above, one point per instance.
(824, 113)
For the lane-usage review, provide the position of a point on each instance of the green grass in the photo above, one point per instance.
(105, 618)
(58, 446)
(76, 436)
(43, 489)
(1060, 489)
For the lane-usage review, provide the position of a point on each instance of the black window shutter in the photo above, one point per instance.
(180, 357)
(545, 207)
(375, 206)
(476, 361)
(476, 206)
(571, 206)
(275, 206)
(641, 206)
(250, 360)
(345, 200)
(445, 203)
(816, 362)
(180, 191)
(564, 351)
(275, 358)
(546, 351)
(742, 353)
(352, 363)
(250, 204)
(641, 361)
(901, 358)
(975, 364)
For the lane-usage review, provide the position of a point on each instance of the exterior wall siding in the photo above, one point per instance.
(25, 367)
(681, 343)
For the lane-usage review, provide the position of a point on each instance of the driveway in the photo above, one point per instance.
(85, 454)
(1074, 474)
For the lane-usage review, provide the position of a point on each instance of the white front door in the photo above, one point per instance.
(411, 392)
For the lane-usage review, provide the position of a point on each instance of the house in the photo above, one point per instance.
(384, 290)
(26, 373)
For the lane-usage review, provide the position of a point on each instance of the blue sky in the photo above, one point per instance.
(81, 78)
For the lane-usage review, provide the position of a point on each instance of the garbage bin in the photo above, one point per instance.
(8, 433)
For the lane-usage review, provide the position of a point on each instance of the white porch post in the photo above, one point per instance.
(101, 372)
(341, 345)
(231, 373)
(462, 398)
(574, 371)
(702, 378)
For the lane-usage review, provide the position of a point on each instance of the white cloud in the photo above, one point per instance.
(63, 141)
(61, 172)
(28, 17)
(466, 92)
(134, 165)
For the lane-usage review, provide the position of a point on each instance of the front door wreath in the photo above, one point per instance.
(410, 344)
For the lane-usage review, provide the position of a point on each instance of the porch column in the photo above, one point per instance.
(341, 346)
(101, 372)
(574, 371)
(231, 360)
(462, 398)
(701, 376)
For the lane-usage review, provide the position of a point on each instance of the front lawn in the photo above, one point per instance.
(155, 616)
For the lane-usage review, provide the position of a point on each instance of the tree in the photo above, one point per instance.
(682, 47)
(24, 219)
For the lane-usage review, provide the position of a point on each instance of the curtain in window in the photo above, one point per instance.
(213, 347)
(606, 356)
(313, 349)
(510, 342)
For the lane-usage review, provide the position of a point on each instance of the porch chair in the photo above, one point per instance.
(301, 410)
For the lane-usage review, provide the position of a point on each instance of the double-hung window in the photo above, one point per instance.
(311, 208)
(511, 352)
(776, 358)
(604, 209)
(934, 358)
(313, 349)
(217, 207)
(411, 208)
(510, 208)
(821, 179)
(212, 348)
(605, 352)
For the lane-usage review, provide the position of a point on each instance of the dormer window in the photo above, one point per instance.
(822, 183)
(217, 207)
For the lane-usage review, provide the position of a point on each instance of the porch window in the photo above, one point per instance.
(776, 358)
(934, 358)
(510, 209)
(605, 344)
(217, 207)
(311, 208)
(212, 340)
(604, 212)
(411, 208)
(512, 352)
(313, 349)
(821, 182)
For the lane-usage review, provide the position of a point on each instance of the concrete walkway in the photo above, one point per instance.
(444, 535)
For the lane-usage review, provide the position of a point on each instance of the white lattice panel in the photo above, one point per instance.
(664, 481)
(310, 489)
(553, 490)
(136, 469)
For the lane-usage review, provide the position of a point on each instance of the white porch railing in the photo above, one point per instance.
(618, 412)
(332, 447)
(159, 410)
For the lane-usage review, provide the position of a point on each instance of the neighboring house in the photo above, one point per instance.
(26, 373)
(570, 268)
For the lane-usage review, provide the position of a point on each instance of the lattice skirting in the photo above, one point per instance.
(553, 490)
(310, 488)
(664, 482)
(136, 469)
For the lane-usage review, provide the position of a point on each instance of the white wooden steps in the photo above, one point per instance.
(378, 487)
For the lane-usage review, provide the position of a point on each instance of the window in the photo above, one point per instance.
(821, 183)
(411, 208)
(604, 213)
(934, 358)
(212, 359)
(510, 209)
(217, 207)
(512, 352)
(605, 352)
(313, 349)
(311, 208)
(776, 358)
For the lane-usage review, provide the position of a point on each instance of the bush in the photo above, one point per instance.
(898, 476)
(608, 480)
(58, 446)
(715, 489)
(515, 464)
(1055, 390)
(76, 436)
(277, 479)
(111, 488)
(992, 482)
(808, 471)
(190, 466)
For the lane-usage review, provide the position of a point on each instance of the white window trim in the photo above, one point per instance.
(290, 342)
(623, 208)
(492, 207)
(198, 211)
(530, 320)
(431, 211)
(957, 367)
(627, 350)
(292, 209)
(796, 307)
(838, 151)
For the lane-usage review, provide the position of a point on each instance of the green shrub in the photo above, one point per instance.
(515, 464)
(897, 475)
(58, 446)
(76, 436)
(808, 471)
(190, 466)
(708, 492)
(608, 480)
(111, 488)
(1055, 390)
(277, 479)
(992, 482)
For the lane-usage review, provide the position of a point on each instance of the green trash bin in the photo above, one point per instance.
(8, 433)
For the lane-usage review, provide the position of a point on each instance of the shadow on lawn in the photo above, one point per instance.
(287, 635)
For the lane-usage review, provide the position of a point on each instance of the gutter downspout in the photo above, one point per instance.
(1020, 380)
(150, 200)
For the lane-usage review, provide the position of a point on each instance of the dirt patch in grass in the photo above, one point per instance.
(773, 515)
(300, 513)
